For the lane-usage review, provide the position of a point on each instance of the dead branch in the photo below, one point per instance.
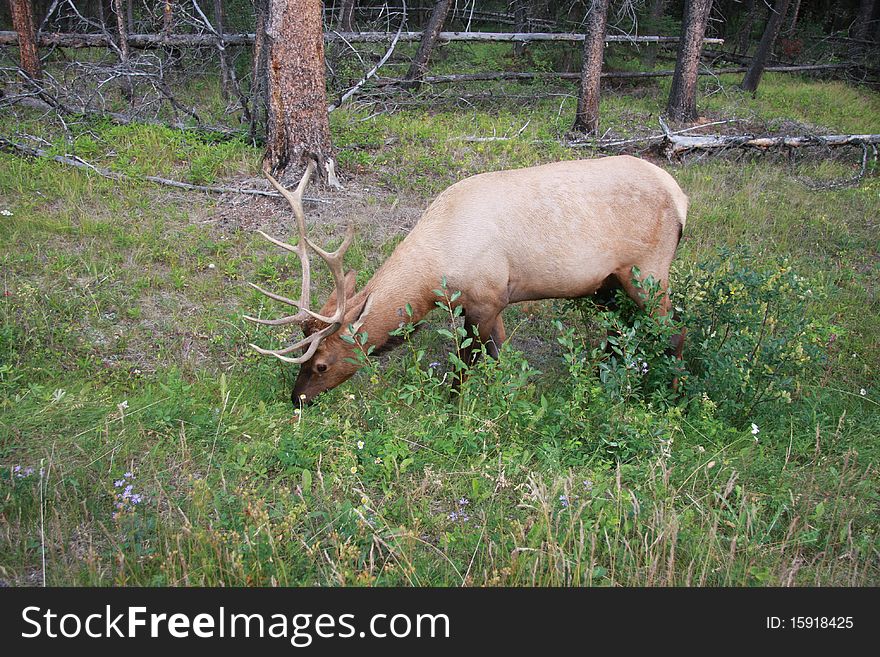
(79, 163)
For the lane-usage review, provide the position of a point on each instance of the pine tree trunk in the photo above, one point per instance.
(655, 13)
(795, 12)
(124, 51)
(298, 126)
(861, 28)
(224, 63)
(420, 64)
(259, 73)
(683, 94)
(586, 119)
(771, 31)
(23, 21)
(521, 20)
(744, 38)
(346, 16)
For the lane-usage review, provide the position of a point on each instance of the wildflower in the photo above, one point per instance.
(119, 483)
(755, 429)
(453, 516)
(128, 475)
(136, 498)
(354, 469)
(464, 501)
(364, 500)
(6, 213)
(863, 392)
(563, 499)
(434, 364)
(588, 484)
(360, 444)
(378, 460)
(211, 265)
(302, 397)
(297, 411)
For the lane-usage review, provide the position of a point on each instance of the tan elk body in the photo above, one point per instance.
(561, 230)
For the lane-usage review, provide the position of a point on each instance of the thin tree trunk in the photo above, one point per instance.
(124, 52)
(420, 64)
(654, 15)
(129, 16)
(861, 28)
(23, 21)
(792, 24)
(167, 17)
(586, 118)
(682, 104)
(259, 73)
(753, 11)
(224, 64)
(346, 16)
(520, 19)
(298, 126)
(753, 77)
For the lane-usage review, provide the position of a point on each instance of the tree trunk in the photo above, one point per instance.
(420, 64)
(124, 51)
(683, 94)
(861, 28)
(586, 119)
(298, 126)
(654, 15)
(224, 63)
(792, 24)
(23, 21)
(756, 70)
(259, 73)
(753, 11)
(346, 16)
(520, 22)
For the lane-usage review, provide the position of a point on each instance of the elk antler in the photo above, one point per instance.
(333, 260)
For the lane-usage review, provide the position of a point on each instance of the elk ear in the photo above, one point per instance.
(362, 315)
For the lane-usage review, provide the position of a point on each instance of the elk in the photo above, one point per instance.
(563, 230)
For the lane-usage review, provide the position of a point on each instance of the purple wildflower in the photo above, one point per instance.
(119, 483)
(563, 499)
(464, 501)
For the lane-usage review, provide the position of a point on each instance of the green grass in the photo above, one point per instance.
(122, 350)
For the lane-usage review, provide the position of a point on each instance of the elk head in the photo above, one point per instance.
(324, 362)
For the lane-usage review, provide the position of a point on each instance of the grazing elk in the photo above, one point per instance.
(561, 230)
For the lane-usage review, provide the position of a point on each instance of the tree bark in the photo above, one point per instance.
(298, 126)
(861, 28)
(586, 118)
(753, 11)
(756, 70)
(520, 19)
(346, 16)
(124, 51)
(259, 73)
(795, 12)
(682, 104)
(435, 23)
(221, 48)
(654, 15)
(23, 21)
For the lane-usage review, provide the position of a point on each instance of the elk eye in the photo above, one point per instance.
(322, 367)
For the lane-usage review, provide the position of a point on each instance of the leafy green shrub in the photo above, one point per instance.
(750, 335)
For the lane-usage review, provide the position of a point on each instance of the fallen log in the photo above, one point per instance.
(142, 41)
(611, 75)
(678, 144)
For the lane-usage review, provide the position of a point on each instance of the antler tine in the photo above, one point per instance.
(334, 262)
(313, 341)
